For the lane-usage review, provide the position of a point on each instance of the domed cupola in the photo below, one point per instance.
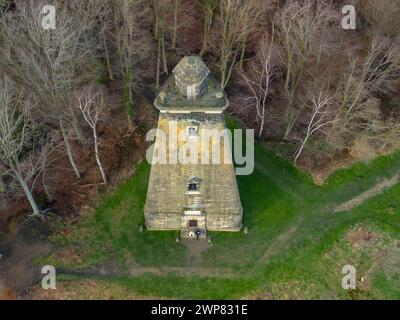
(191, 77)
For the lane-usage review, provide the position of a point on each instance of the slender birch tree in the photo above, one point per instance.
(91, 105)
(319, 119)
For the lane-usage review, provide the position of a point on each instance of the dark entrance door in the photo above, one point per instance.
(192, 224)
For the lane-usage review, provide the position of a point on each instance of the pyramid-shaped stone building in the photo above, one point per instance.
(192, 196)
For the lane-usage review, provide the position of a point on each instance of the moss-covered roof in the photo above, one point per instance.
(191, 70)
(213, 99)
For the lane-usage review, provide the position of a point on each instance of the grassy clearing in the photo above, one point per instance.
(294, 248)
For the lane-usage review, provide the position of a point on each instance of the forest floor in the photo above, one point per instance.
(296, 245)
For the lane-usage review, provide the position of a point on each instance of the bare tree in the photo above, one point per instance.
(253, 14)
(300, 31)
(106, 21)
(261, 74)
(377, 71)
(2, 184)
(22, 145)
(49, 64)
(91, 104)
(129, 19)
(381, 16)
(236, 21)
(159, 34)
(390, 137)
(319, 120)
(207, 9)
(175, 26)
(358, 112)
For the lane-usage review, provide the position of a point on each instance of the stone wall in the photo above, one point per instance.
(166, 195)
(163, 221)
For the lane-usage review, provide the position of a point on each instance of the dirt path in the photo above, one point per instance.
(195, 249)
(158, 271)
(17, 265)
(187, 271)
(280, 242)
(378, 188)
(278, 245)
(193, 268)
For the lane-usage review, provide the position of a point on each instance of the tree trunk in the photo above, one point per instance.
(28, 194)
(289, 115)
(2, 185)
(175, 29)
(261, 127)
(223, 72)
(243, 51)
(118, 38)
(69, 150)
(289, 128)
(110, 73)
(157, 19)
(46, 188)
(128, 94)
(164, 56)
(300, 150)
(205, 35)
(75, 125)
(158, 62)
(96, 151)
(227, 70)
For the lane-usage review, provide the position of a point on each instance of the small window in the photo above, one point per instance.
(192, 131)
(193, 223)
(193, 187)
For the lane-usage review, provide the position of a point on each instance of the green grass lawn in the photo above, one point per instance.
(295, 247)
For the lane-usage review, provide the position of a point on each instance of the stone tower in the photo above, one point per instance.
(191, 196)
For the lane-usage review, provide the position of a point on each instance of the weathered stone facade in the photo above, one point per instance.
(190, 77)
(195, 195)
